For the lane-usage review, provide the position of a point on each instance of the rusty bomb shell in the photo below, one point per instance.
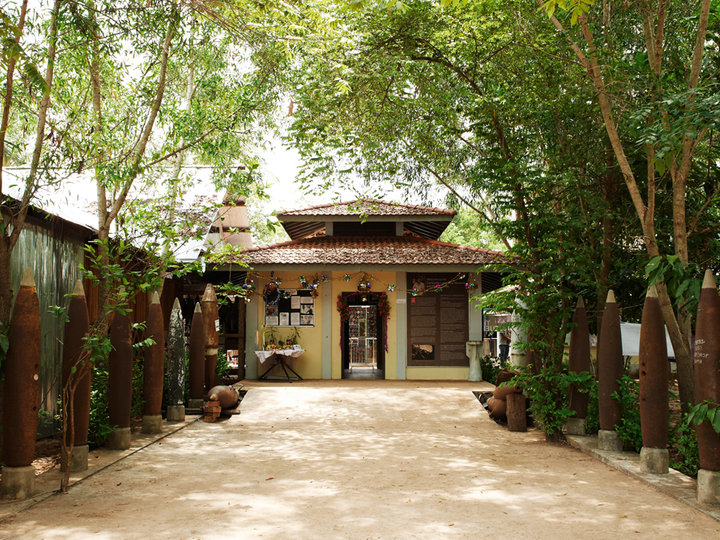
(211, 318)
(22, 377)
(76, 328)
(653, 374)
(610, 364)
(120, 371)
(176, 356)
(579, 357)
(707, 368)
(226, 395)
(153, 369)
(197, 354)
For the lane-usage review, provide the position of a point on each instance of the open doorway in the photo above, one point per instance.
(362, 339)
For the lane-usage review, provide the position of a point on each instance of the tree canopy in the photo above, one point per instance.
(553, 125)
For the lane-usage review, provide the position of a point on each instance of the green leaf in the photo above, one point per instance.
(715, 423)
(700, 413)
(652, 266)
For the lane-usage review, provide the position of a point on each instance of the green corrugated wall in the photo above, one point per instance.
(54, 258)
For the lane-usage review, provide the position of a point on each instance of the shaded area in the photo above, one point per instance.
(356, 459)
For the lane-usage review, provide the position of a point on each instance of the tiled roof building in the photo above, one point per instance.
(368, 290)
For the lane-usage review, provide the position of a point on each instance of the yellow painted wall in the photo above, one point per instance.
(429, 373)
(309, 365)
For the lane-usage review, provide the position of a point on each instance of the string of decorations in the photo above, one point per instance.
(272, 291)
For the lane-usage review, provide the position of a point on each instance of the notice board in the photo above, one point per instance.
(296, 307)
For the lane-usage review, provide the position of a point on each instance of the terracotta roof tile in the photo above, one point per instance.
(368, 207)
(384, 250)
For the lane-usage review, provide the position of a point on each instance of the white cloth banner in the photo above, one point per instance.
(630, 333)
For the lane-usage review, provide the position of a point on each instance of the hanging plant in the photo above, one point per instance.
(383, 305)
(343, 307)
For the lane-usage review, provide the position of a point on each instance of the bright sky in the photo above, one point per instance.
(281, 168)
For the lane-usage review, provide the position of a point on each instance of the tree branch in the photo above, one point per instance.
(7, 101)
(149, 125)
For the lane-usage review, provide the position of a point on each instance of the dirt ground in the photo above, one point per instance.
(362, 459)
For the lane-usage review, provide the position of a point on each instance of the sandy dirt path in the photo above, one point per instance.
(360, 460)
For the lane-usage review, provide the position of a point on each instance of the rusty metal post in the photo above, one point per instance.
(654, 456)
(176, 365)
(212, 326)
(707, 388)
(609, 370)
(153, 368)
(76, 328)
(22, 392)
(579, 362)
(120, 381)
(197, 359)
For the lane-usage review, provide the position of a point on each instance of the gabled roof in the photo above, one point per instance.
(423, 220)
(367, 208)
(383, 250)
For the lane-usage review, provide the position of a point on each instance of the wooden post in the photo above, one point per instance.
(516, 412)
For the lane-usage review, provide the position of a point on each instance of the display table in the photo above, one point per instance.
(279, 358)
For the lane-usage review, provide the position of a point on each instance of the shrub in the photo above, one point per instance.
(222, 366)
(548, 393)
(490, 368)
(592, 420)
(629, 427)
(99, 427)
(684, 455)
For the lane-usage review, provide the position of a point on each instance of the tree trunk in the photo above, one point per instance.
(609, 190)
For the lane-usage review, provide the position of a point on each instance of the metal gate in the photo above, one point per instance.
(362, 329)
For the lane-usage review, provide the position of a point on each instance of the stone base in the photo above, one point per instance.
(654, 460)
(475, 374)
(176, 413)
(708, 486)
(78, 459)
(473, 352)
(575, 426)
(609, 441)
(119, 439)
(18, 482)
(152, 423)
(196, 403)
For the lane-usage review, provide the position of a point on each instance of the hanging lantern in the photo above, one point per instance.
(391, 287)
(364, 284)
